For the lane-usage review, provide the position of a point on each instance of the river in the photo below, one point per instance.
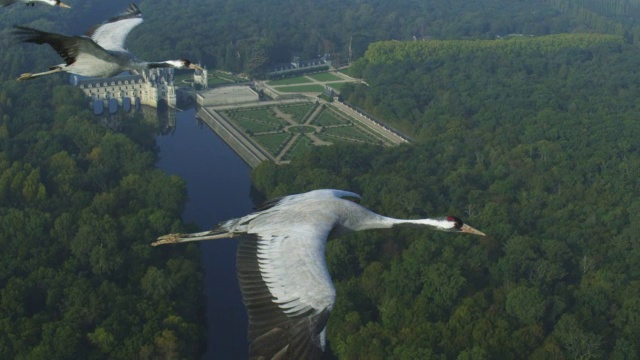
(218, 185)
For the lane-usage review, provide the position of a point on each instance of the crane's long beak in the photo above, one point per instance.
(195, 67)
(64, 5)
(469, 230)
(178, 238)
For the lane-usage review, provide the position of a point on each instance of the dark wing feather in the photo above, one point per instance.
(268, 204)
(274, 334)
(68, 47)
(65, 46)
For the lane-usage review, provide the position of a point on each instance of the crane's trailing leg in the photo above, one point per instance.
(29, 76)
(177, 238)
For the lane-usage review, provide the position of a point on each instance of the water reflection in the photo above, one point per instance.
(218, 185)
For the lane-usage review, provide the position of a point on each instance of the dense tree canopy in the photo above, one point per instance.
(533, 141)
(78, 207)
(248, 35)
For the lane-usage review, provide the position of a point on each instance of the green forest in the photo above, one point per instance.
(249, 36)
(78, 206)
(533, 139)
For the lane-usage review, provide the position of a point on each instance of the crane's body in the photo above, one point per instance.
(98, 53)
(4, 3)
(281, 265)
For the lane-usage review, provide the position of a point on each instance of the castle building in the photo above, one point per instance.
(296, 65)
(150, 88)
(200, 78)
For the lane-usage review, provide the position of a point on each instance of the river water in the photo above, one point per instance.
(218, 185)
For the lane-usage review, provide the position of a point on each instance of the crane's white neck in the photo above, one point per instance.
(159, 64)
(375, 221)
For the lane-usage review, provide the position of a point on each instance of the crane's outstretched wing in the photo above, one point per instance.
(287, 291)
(284, 280)
(283, 275)
(4, 3)
(68, 47)
(112, 33)
(322, 193)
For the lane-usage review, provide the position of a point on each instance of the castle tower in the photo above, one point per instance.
(200, 77)
(158, 85)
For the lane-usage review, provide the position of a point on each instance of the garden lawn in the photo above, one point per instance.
(325, 77)
(289, 81)
(302, 144)
(301, 88)
(273, 143)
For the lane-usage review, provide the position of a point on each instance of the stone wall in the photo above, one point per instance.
(241, 144)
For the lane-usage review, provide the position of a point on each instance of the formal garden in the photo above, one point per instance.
(286, 130)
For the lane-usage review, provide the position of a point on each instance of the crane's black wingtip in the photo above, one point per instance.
(25, 33)
(134, 7)
(132, 11)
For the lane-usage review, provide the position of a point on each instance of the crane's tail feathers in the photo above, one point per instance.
(29, 76)
(205, 235)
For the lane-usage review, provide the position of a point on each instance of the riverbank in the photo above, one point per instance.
(218, 186)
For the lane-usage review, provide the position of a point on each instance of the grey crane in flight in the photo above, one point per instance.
(4, 3)
(281, 266)
(100, 52)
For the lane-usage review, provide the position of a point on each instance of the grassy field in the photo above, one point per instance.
(253, 126)
(289, 81)
(301, 88)
(260, 114)
(273, 143)
(337, 85)
(324, 77)
(226, 77)
(301, 145)
(346, 71)
(256, 120)
(328, 118)
(353, 133)
(298, 112)
(214, 80)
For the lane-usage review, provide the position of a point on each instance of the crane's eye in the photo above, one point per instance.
(457, 223)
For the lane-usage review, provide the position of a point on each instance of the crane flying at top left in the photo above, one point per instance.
(4, 3)
(98, 53)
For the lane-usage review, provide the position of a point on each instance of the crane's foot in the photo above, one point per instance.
(25, 76)
(167, 239)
